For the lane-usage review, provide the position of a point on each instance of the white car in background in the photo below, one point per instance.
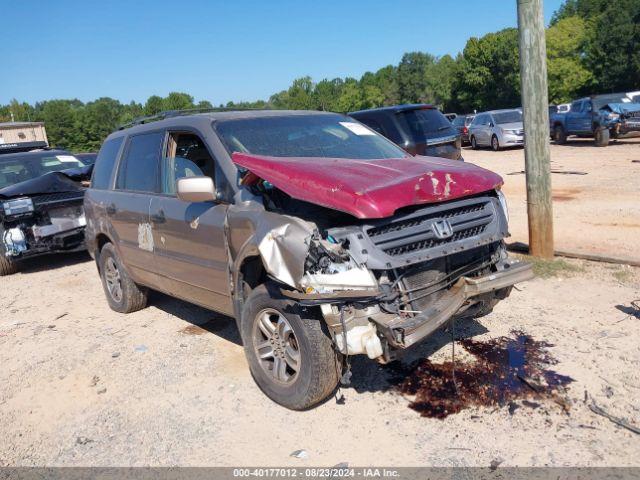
(497, 129)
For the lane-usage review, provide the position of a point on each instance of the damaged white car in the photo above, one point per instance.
(322, 238)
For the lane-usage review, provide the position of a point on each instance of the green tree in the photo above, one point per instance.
(60, 121)
(568, 77)
(350, 98)
(95, 122)
(613, 49)
(488, 74)
(412, 76)
(153, 105)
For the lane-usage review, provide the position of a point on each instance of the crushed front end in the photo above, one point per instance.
(42, 223)
(391, 283)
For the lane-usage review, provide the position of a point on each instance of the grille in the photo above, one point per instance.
(414, 232)
(635, 114)
(57, 197)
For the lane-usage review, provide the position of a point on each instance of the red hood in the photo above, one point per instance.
(370, 188)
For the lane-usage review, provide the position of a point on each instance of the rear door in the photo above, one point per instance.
(191, 252)
(128, 205)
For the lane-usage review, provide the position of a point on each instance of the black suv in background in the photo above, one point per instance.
(419, 129)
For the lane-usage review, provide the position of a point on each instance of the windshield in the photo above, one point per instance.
(20, 167)
(602, 100)
(425, 122)
(508, 117)
(329, 135)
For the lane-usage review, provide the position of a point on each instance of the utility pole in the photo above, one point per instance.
(535, 102)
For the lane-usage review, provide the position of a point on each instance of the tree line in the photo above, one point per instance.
(593, 46)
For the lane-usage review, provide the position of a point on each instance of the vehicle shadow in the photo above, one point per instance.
(52, 262)
(588, 142)
(198, 320)
(368, 376)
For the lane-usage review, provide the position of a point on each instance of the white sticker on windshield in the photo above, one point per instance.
(67, 158)
(357, 128)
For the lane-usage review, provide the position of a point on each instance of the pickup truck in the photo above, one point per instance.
(600, 116)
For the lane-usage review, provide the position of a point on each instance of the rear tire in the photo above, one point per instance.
(474, 143)
(277, 332)
(559, 135)
(123, 294)
(602, 137)
(495, 145)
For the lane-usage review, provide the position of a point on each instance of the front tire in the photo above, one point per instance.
(602, 137)
(123, 294)
(495, 145)
(7, 265)
(290, 353)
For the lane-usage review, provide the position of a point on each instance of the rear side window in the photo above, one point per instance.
(425, 122)
(105, 162)
(139, 170)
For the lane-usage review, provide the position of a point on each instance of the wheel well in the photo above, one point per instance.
(252, 273)
(101, 241)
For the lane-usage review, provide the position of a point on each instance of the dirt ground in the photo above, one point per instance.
(169, 385)
(81, 385)
(596, 213)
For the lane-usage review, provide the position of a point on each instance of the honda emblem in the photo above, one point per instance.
(442, 229)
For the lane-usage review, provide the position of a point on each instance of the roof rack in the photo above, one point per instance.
(179, 113)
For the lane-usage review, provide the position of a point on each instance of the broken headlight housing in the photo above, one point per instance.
(18, 206)
(503, 203)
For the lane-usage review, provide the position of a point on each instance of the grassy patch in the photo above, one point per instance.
(622, 275)
(557, 267)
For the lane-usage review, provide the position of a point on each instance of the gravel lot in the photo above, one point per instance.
(169, 385)
(596, 213)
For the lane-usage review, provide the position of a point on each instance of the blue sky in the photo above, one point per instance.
(222, 50)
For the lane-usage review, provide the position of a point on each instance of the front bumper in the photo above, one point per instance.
(403, 332)
(509, 139)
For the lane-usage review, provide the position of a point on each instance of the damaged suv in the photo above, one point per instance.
(321, 237)
(41, 194)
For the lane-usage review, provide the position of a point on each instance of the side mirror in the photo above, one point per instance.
(491, 124)
(196, 189)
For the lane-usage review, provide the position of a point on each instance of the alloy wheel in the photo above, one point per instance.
(112, 277)
(276, 346)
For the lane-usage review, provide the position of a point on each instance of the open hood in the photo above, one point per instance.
(53, 182)
(624, 107)
(370, 188)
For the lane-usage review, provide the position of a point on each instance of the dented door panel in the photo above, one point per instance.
(191, 252)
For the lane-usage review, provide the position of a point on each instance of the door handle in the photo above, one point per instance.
(111, 209)
(158, 217)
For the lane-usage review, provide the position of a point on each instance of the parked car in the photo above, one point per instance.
(87, 158)
(41, 194)
(419, 129)
(461, 123)
(601, 117)
(497, 129)
(322, 238)
(634, 96)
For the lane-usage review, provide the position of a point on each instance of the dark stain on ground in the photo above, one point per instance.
(505, 370)
(210, 326)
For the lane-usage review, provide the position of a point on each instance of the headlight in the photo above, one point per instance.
(512, 132)
(503, 204)
(18, 206)
(613, 116)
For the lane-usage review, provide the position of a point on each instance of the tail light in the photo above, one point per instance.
(465, 130)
